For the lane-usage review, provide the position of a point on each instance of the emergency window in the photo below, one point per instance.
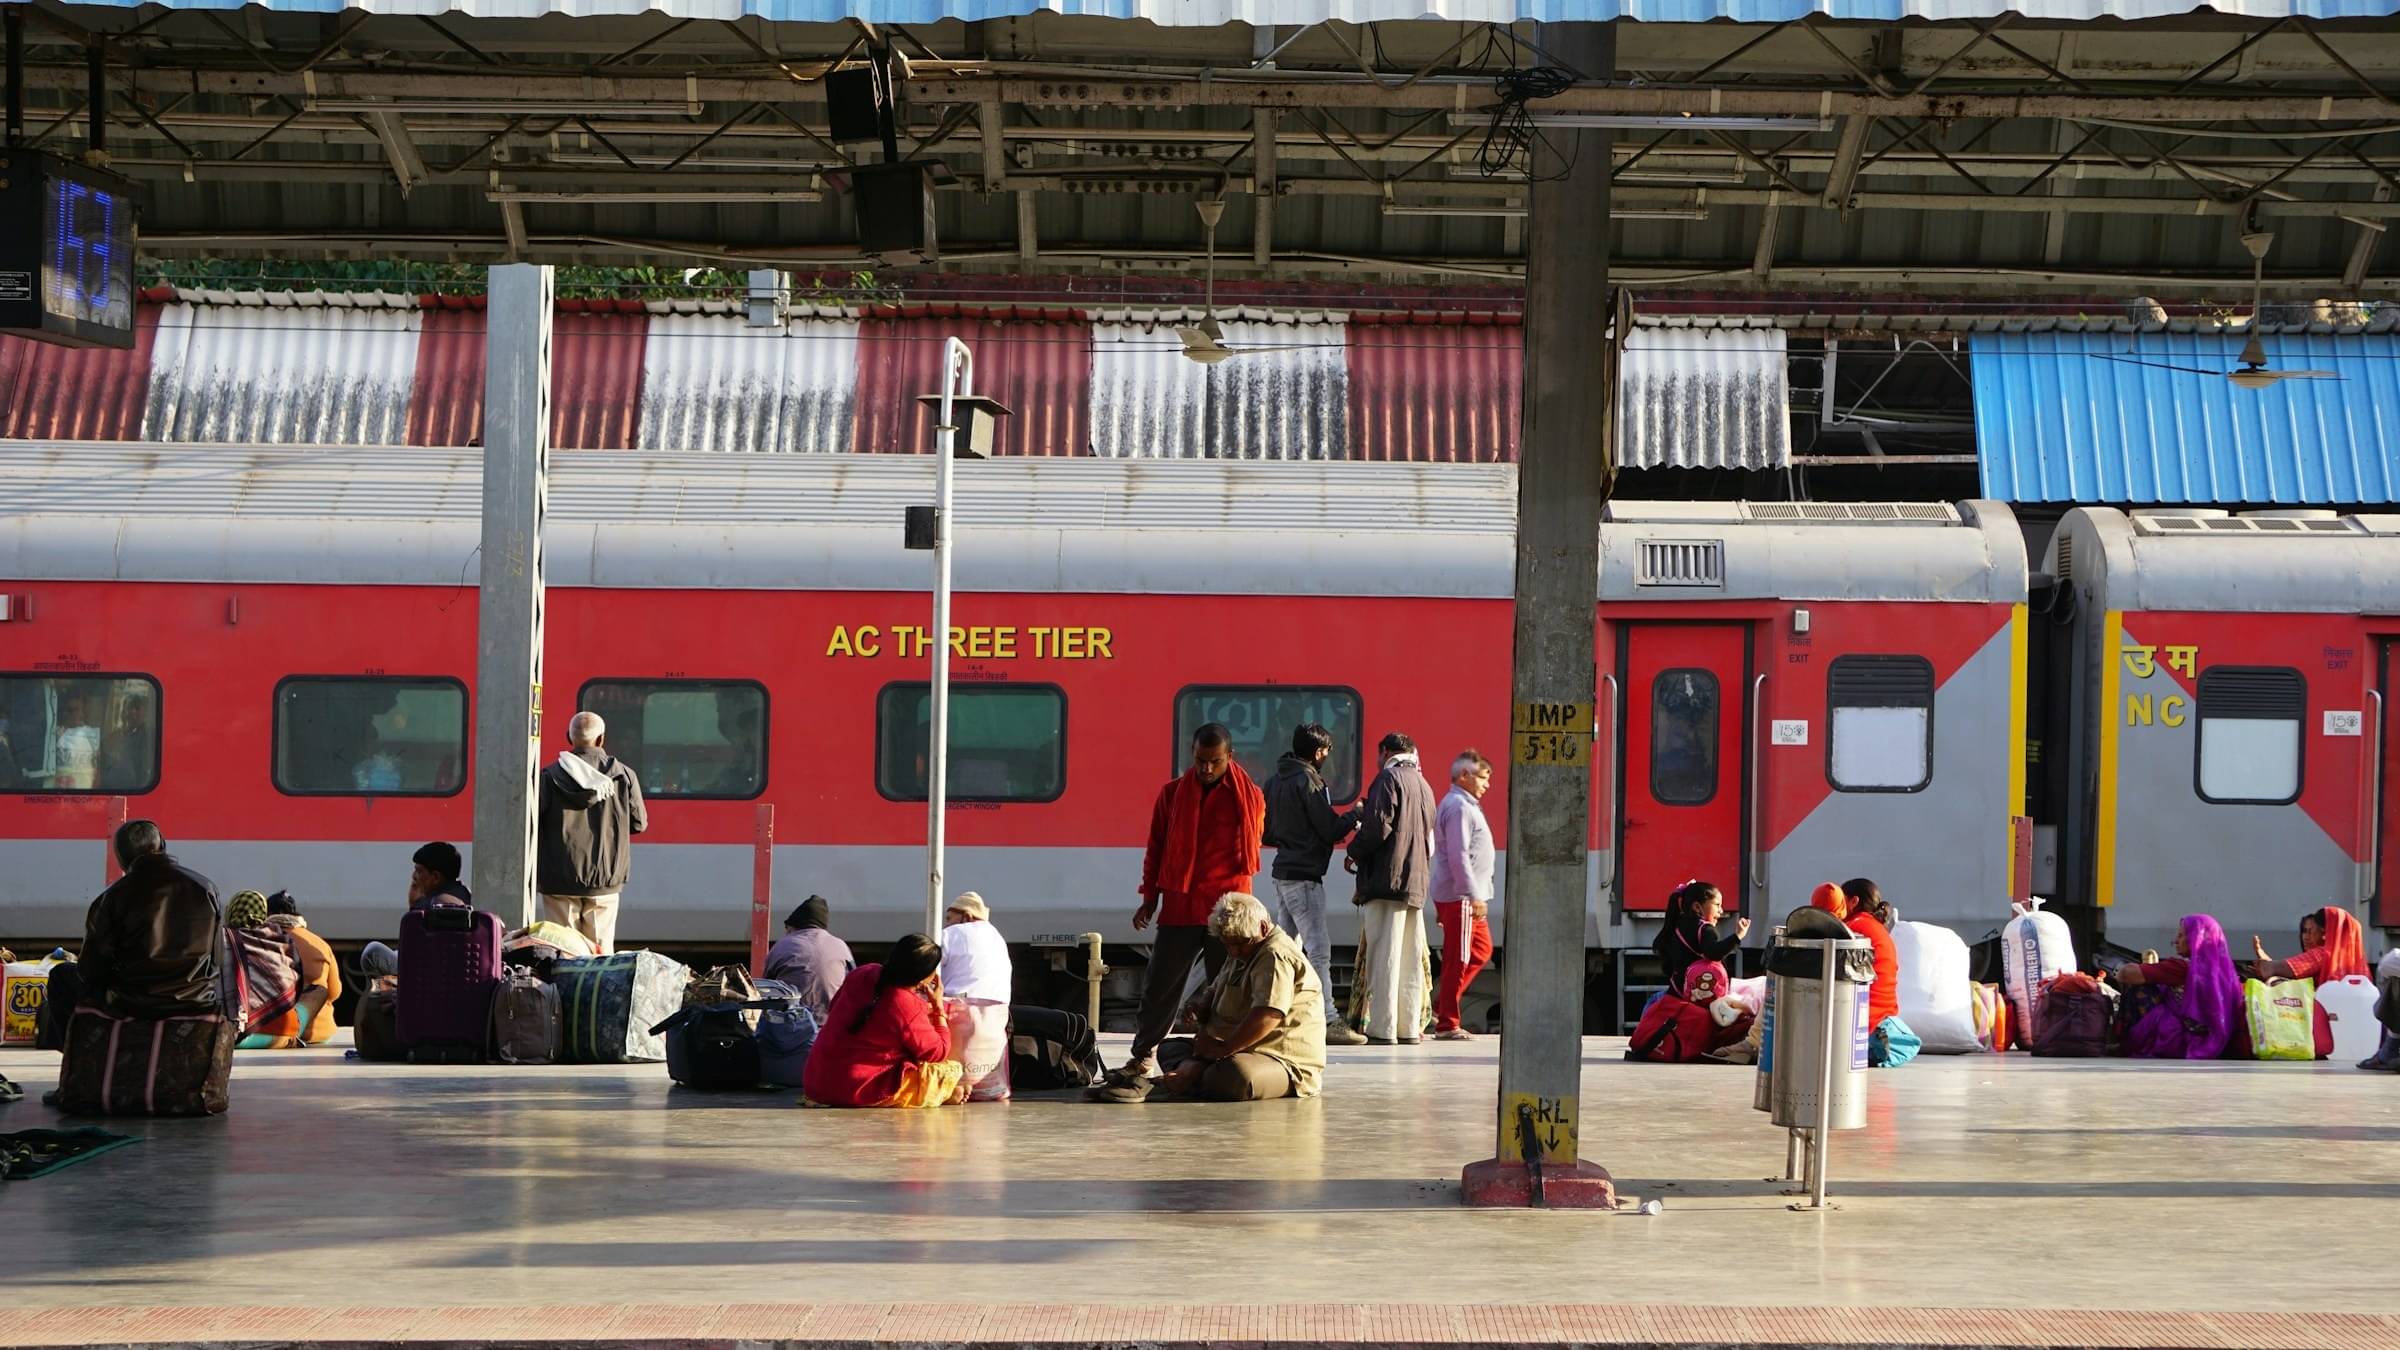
(1008, 742)
(1879, 711)
(78, 733)
(2249, 743)
(1262, 719)
(343, 736)
(686, 738)
(1683, 737)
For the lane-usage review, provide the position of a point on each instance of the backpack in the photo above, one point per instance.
(786, 1032)
(378, 1032)
(1049, 1048)
(524, 1019)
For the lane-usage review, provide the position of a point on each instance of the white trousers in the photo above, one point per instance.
(594, 916)
(1392, 963)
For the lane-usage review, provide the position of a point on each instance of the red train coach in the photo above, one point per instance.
(272, 653)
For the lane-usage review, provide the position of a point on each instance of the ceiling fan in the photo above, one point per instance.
(2253, 373)
(1204, 342)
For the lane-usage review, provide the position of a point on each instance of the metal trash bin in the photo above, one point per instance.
(1792, 1041)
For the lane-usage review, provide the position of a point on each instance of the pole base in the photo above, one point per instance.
(1497, 1184)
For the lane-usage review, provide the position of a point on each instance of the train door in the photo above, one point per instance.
(2386, 799)
(1685, 759)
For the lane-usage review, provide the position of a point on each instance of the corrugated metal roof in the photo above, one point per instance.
(712, 382)
(1447, 392)
(1301, 13)
(282, 374)
(1039, 368)
(2057, 421)
(1288, 400)
(596, 366)
(1693, 398)
(80, 393)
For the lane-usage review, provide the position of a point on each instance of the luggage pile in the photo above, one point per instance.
(735, 1033)
(470, 993)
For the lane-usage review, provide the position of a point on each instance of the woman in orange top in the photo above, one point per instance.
(2331, 948)
(1858, 903)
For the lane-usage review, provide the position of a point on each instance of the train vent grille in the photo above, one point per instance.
(1854, 513)
(1682, 562)
(2066, 558)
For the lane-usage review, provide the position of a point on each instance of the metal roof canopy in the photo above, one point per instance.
(2123, 150)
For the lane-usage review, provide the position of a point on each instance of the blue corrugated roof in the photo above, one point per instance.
(1211, 13)
(2057, 422)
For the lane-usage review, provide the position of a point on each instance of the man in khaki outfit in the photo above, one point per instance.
(1262, 1021)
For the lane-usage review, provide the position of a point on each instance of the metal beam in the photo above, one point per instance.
(407, 165)
(509, 595)
(1762, 258)
(2362, 252)
(1843, 175)
(1263, 187)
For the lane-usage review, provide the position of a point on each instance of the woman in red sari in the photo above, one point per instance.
(2331, 948)
(884, 1042)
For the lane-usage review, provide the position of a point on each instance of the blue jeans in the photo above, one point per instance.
(1301, 912)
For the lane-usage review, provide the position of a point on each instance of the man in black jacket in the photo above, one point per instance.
(1303, 828)
(591, 807)
(153, 943)
(1393, 857)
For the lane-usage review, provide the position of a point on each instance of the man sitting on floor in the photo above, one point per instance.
(1262, 1021)
(153, 942)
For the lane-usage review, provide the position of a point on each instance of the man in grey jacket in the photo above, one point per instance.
(1303, 828)
(591, 807)
(1392, 854)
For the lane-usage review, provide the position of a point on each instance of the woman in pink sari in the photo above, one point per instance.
(2199, 1002)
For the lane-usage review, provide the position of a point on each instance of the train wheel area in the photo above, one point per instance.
(1990, 1200)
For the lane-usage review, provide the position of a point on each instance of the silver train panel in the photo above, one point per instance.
(1941, 855)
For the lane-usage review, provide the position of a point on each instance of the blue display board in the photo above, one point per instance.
(67, 240)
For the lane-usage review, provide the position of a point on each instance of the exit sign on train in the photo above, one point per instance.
(66, 251)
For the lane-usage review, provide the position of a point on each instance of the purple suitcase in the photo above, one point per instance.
(449, 970)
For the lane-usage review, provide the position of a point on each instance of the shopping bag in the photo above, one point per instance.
(2283, 1018)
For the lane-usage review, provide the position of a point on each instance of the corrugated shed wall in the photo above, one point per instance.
(597, 359)
(1704, 399)
(2070, 417)
(315, 370)
(1037, 364)
(711, 382)
(1288, 400)
(445, 403)
(1445, 392)
(49, 392)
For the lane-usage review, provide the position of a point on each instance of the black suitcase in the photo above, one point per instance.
(711, 1046)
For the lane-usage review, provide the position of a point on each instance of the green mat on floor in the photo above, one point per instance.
(27, 1154)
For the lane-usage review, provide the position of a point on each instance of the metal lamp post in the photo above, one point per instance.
(983, 420)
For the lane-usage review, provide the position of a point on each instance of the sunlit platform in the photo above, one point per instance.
(1991, 1200)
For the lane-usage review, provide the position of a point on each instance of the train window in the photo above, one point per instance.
(78, 733)
(1683, 737)
(2249, 742)
(350, 736)
(1008, 742)
(686, 738)
(1879, 715)
(1262, 718)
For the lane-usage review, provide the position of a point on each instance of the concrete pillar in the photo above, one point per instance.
(1562, 483)
(508, 620)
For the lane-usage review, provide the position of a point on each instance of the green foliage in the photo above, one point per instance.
(574, 283)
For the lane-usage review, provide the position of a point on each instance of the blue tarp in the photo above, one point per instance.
(2068, 417)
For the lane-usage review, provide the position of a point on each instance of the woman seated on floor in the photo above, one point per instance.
(2331, 948)
(279, 1002)
(2187, 1007)
(884, 1042)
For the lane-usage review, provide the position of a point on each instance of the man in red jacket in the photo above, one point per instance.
(1204, 833)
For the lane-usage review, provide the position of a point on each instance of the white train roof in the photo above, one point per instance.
(2281, 561)
(403, 515)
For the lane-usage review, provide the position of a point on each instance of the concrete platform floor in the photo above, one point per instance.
(337, 1190)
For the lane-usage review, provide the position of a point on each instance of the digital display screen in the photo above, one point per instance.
(68, 233)
(87, 254)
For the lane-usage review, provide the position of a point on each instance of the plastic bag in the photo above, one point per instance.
(2036, 948)
(1892, 1045)
(2350, 1005)
(2283, 1018)
(1936, 997)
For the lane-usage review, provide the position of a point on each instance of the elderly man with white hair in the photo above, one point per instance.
(591, 807)
(1262, 1021)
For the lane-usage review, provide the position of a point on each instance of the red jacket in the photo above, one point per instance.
(1884, 1000)
(1203, 843)
(854, 1065)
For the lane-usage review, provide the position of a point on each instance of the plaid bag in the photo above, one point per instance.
(146, 1066)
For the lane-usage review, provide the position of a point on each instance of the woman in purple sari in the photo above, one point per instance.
(2200, 997)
